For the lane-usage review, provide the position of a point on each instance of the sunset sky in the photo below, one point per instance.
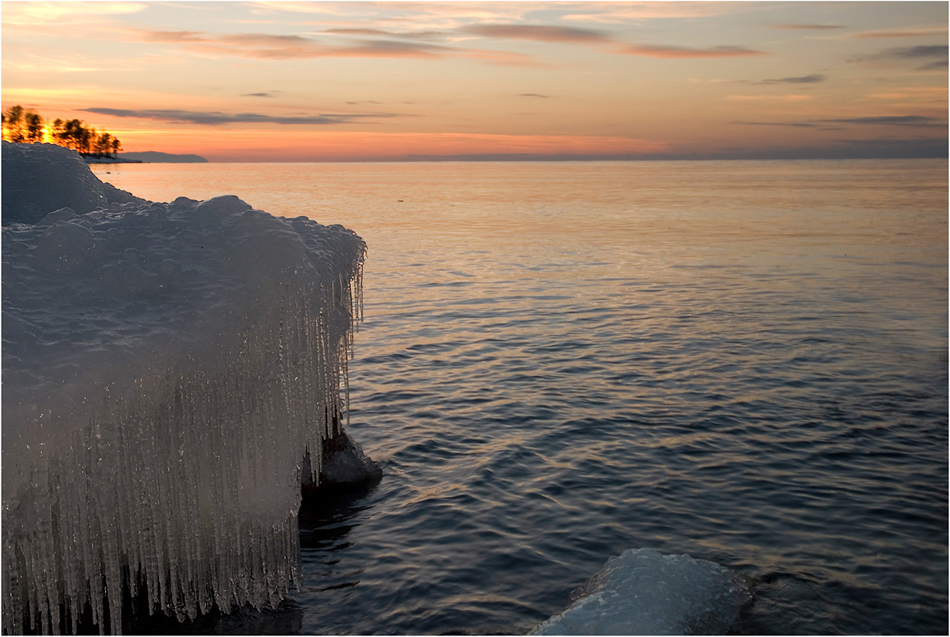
(340, 81)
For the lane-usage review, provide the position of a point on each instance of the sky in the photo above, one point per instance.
(397, 81)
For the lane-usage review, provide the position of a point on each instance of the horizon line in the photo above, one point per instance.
(426, 159)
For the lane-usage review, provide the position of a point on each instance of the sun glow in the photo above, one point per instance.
(324, 81)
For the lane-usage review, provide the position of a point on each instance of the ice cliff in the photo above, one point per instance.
(166, 367)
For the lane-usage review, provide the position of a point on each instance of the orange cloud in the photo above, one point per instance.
(919, 94)
(266, 46)
(284, 47)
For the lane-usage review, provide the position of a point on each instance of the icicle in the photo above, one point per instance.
(172, 469)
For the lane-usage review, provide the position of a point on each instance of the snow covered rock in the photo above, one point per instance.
(166, 367)
(643, 592)
(41, 178)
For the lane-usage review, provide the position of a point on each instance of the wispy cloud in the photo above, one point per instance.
(268, 46)
(216, 118)
(915, 94)
(808, 27)
(610, 12)
(578, 35)
(37, 64)
(913, 32)
(537, 33)
(916, 52)
(264, 94)
(38, 13)
(409, 35)
(540, 95)
(445, 14)
(168, 37)
(664, 51)
(788, 124)
(909, 121)
(265, 46)
(913, 121)
(937, 53)
(805, 79)
(391, 48)
(769, 98)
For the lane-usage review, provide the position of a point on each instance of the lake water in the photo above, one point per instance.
(741, 361)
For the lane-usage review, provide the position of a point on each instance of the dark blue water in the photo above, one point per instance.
(742, 361)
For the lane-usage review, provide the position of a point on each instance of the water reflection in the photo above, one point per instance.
(562, 362)
(325, 524)
(325, 527)
(286, 619)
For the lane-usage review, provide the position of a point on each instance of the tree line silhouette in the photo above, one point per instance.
(26, 126)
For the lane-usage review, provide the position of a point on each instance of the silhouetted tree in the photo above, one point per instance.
(84, 139)
(13, 125)
(76, 136)
(70, 135)
(103, 144)
(27, 126)
(34, 125)
(56, 131)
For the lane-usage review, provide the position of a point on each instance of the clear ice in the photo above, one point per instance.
(165, 369)
(643, 592)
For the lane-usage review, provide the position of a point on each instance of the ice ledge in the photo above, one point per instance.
(166, 366)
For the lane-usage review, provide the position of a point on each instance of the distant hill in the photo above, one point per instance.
(151, 156)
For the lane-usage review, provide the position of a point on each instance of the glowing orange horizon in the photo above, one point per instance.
(251, 145)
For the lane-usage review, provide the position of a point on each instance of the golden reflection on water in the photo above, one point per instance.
(478, 246)
(653, 213)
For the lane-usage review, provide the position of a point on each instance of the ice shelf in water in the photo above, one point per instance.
(165, 369)
(643, 592)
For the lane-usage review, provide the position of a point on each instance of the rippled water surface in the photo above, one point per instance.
(742, 361)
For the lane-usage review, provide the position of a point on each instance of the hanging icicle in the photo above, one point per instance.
(165, 369)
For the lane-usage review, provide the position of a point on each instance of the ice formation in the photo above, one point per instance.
(165, 369)
(643, 592)
(40, 178)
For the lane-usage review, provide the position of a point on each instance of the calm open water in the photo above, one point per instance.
(742, 361)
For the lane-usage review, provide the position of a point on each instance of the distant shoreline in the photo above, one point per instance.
(110, 160)
(147, 157)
